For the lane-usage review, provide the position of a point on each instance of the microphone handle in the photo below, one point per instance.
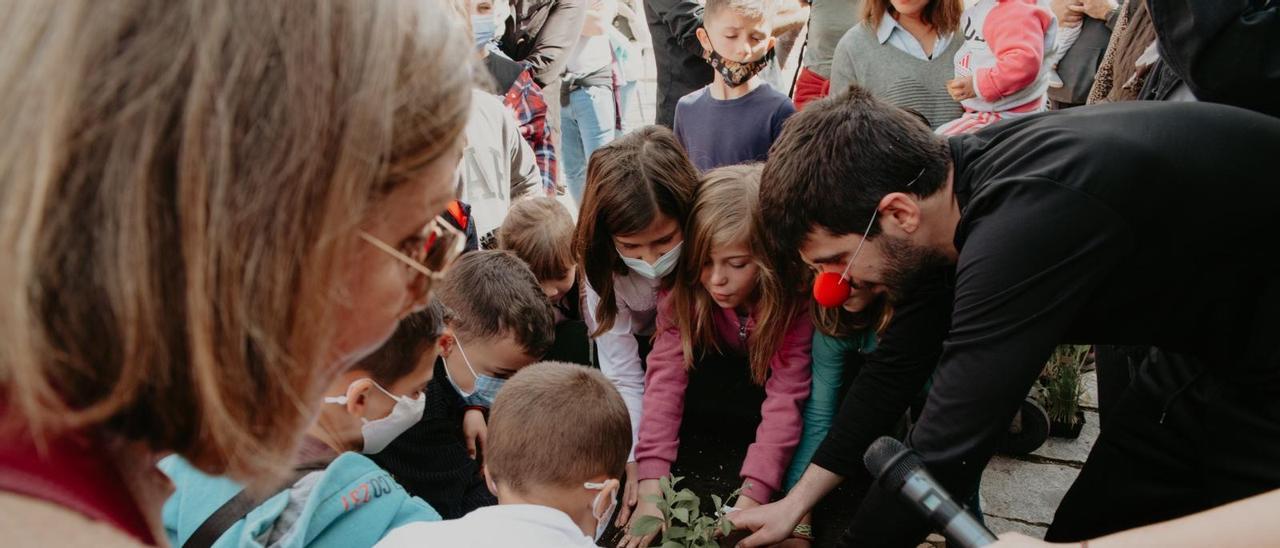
(957, 524)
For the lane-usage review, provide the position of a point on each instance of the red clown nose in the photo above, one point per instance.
(830, 289)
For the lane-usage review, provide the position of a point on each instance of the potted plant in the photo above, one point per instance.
(1061, 389)
(682, 523)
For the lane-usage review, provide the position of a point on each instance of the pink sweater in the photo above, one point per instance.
(786, 390)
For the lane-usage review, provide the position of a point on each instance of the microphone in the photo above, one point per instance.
(900, 469)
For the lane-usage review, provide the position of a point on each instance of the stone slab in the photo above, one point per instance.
(999, 525)
(1022, 490)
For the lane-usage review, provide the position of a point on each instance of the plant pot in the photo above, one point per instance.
(1064, 430)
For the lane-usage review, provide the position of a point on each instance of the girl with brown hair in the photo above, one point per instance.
(210, 210)
(630, 231)
(726, 303)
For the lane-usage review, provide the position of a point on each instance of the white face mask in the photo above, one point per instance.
(659, 269)
(602, 520)
(378, 434)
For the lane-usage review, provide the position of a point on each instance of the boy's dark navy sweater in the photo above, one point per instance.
(430, 460)
(717, 132)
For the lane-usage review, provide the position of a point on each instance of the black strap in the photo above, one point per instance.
(236, 509)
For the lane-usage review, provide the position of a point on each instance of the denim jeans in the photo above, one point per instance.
(587, 123)
(627, 95)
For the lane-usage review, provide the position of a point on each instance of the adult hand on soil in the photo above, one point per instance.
(648, 489)
(475, 430)
(770, 524)
(961, 88)
(630, 495)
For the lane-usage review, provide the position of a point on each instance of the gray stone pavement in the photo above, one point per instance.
(1021, 494)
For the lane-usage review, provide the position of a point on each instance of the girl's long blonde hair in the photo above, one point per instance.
(725, 212)
(183, 180)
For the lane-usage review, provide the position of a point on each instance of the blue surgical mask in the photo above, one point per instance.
(660, 268)
(483, 28)
(486, 388)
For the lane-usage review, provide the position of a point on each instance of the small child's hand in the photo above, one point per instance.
(630, 495)
(476, 431)
(961, 89)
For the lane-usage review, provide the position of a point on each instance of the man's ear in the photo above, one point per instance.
(358, 396)
(705, 40)
(900, 213)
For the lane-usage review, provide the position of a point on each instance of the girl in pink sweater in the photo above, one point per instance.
(725, 301)
(1001, 69)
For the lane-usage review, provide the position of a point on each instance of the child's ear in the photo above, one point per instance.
(705, 40)
(488, 481)
(446, 344)
(773, 42)
(358, 396)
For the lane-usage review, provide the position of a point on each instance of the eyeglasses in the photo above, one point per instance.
(831, 289)
(429, 253)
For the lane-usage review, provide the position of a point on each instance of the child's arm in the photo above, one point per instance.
(665, 382)
(828, 370)
(780, 424)
(1015, 31)
(619, 355)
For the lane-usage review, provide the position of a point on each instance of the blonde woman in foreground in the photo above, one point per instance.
(209, 210)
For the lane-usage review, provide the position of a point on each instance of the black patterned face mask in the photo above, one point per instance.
(734, 73)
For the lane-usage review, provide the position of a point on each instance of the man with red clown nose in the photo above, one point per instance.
(1139, 223)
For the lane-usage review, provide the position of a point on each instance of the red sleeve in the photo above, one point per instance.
(781, 421)
(1015, 31)
(665, 383)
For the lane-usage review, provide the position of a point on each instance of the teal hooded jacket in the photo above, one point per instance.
(351, 502)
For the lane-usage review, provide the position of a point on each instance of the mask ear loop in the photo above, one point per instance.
(874, 212)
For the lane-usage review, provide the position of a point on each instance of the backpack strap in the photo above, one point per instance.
(235, 510)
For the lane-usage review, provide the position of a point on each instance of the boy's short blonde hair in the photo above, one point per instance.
(746, 8)
(540, 232)
(557, 425)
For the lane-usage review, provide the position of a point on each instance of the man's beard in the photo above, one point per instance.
(907, 267)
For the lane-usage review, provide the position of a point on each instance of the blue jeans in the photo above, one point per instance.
(627, 95)
(586, 124)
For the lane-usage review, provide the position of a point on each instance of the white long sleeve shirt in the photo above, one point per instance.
(618, 349)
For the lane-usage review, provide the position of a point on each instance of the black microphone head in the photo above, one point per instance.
(891, 462)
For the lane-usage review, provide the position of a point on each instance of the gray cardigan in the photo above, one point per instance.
(895, 76)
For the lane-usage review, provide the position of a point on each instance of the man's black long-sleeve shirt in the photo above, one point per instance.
(1136, 223)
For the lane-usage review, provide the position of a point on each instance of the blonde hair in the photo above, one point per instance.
(183, 184)
(753, 9)
(530, 445)
(725, 210)
(540, 232)
(630, 182)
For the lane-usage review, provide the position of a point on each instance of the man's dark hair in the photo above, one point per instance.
(835, 160)
(494, 294)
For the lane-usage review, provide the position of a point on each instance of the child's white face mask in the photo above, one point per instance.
(378, 434)
(609, 488)
(660, 268)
